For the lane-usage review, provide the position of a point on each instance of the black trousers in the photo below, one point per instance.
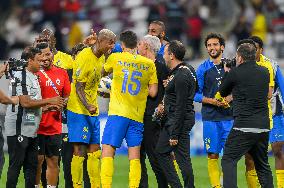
(182, 155)
(238, 144)
(22, 152)
(67, 154)
(150, 139)
(2, 157)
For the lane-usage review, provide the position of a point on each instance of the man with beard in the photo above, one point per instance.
(53, 82)
(158, 29)
(148, 47)
(216, 116)
(82, 115)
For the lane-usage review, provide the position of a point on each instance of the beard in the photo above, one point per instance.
(214, 56)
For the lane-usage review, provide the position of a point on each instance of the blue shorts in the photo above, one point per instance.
(117, 128)
(215, 134)
(83, 128)
(277, 132)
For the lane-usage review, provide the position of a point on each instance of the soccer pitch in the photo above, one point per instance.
(120, 179)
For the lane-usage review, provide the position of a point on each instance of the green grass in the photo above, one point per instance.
(120, 179)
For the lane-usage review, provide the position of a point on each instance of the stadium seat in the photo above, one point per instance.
(108, 14)
(132, 4)
(139, 13)
(115, 26)
(102, 3)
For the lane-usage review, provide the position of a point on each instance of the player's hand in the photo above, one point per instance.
(59, 101)
(165, 82)
(91, 39)
(173, 142)
(161, 109)
(215, 102)
(92, 109)
(229, 98)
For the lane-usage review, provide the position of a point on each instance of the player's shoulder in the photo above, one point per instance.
(205, 65)
(85, 52)
(144, 59)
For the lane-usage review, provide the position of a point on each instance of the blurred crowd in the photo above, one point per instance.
(186, 20)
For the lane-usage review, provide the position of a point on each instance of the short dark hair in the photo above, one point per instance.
(42, 45)
(247, 51)
(257, 40)
(160, 23)
(129, 38)
(215, 36)
(177, 48)
(249, 41)
(30, 53)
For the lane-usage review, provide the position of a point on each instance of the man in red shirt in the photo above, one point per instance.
(53, 81)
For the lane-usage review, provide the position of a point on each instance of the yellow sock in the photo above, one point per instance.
(107, 172)
(77, 171)
(93, 167)
(252, 179)
(134, 173)
(176, 165)
(214, 172)
(280, 178)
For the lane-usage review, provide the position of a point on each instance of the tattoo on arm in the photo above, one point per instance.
(80, 87)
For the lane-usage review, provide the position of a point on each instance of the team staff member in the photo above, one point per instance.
(148, 47)
(53, 82)
(179, 111)
(21, 126)
(276, 137)
(251, 127)
(4, 99)
(216, 118)
(134, 78)
(82, 115)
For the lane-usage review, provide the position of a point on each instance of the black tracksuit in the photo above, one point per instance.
(180, 119)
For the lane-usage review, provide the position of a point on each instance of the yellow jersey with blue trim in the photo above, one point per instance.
(63, 60)
(87, 69)
(132, 75)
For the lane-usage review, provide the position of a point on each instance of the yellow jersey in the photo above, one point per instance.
(129, 88)
(63, 60)
(87, 69)
(265, 62)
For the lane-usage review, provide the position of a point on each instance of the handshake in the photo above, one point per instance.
(224, 102)
(55, 104)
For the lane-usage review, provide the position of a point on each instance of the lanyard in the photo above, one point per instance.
(51, 83)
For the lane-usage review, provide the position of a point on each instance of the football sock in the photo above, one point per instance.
(77, 171)
(107, 169)
(280, 178)
(93, 167)
(134, 173)
(252, 179)
(214, 172)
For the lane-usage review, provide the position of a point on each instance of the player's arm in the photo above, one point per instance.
(200, 74)
(27, 102)
(153, 90)
(4, 99)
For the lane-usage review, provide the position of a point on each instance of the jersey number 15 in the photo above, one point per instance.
(134, 85)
